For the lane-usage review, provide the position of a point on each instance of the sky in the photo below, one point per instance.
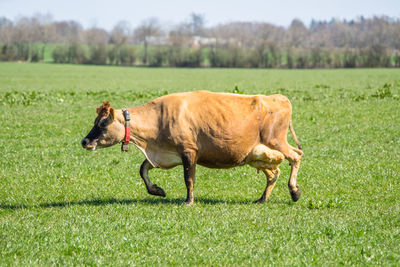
(106, 14)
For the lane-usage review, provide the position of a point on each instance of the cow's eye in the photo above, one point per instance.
(103, 124)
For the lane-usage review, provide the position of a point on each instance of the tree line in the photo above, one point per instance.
(362, 42)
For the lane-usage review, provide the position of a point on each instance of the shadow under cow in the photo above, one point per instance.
(112, 201)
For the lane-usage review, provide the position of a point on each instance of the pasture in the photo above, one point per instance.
(62, 205)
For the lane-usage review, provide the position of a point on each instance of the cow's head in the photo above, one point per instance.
(107, 129)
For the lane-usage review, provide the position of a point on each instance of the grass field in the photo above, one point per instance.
(60, 204)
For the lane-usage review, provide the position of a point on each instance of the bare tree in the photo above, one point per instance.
(145, 31)
(68, 31)
(120, 33)
(181, 35)
(96, 36)
(297, 33)
(44, 30)
(97, 40)
(6, 30)
(24, 35)
(119, 36)
(196, 23)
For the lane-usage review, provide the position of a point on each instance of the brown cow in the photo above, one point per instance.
(216, 130)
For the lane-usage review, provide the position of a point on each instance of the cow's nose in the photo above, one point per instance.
(85, 142)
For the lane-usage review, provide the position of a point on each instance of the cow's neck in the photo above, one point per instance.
(143, 124)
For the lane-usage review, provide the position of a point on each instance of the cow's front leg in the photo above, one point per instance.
(153, 189)
(189, 171)
(272, 176)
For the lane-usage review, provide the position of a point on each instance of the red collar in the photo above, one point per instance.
(125, 143)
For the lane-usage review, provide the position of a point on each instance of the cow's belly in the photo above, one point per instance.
(219, 165)
(259, 157)
(163, 159)
(227, 157)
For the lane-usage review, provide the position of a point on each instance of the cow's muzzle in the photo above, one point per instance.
(86, 144)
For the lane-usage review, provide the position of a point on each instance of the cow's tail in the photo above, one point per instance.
(294, 135)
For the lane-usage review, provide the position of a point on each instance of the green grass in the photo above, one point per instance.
(60, 204)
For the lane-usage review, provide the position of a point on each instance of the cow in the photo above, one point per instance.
(215, 130)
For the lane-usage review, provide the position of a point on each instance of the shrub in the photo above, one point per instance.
(184, 57)
(349, 59)
(127, 55)
(35, 54)
(60, 54)
(289, 58)
(220, 58)
(22, 51)
(98, 55)
(157, 57)
(375, 56)
(254, 59)
(76, 54)
(302, 60)
(8, 53)
(111, 54)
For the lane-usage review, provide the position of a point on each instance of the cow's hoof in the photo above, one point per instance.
(259, 201)
(188, 201)
(295, 194)
(156, 191)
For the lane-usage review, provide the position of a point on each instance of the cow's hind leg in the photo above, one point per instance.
(153, 189)
(294, 190)
(272, 176)
(293, 155)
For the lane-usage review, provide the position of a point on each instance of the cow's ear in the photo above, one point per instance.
(113, 114)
